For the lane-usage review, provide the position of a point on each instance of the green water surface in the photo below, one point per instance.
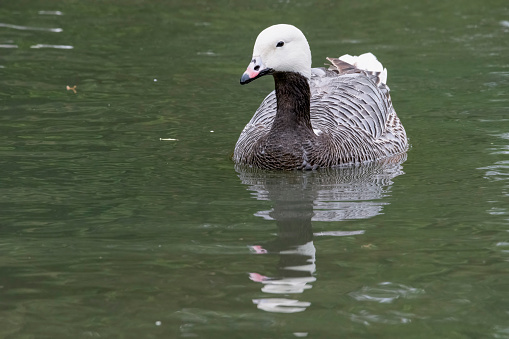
(122, 215)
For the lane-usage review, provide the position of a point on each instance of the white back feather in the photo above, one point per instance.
(367, 62)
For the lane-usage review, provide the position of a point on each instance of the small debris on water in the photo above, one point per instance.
(73, 88)
(168, 139)
(369, 246)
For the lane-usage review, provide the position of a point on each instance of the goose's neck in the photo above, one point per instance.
(293, 102)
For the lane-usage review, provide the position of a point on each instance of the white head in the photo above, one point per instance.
(279, 48)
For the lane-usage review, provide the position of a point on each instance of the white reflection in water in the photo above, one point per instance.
(281, 305)
(29, 28)
(207, 53)
(298, 198)
(50, 13)
(499, 172)
(338, 233)
(52, 46)
(503, 247)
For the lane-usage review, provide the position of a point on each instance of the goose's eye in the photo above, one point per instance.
(280, 44)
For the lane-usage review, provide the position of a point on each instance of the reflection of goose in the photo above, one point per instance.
(325, 195)
(300, 197)
(317, 117)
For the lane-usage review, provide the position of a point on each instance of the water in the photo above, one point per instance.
(107, 231)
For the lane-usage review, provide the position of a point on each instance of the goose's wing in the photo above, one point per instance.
(264, 115)
(257, 127)
(345, 96)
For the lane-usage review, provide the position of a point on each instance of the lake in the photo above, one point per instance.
(123, 216)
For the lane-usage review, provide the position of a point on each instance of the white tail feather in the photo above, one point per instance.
(367, 62)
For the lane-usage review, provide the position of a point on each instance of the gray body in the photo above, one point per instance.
(352, 119)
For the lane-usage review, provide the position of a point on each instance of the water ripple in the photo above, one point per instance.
(29, 28)
(503, 246)
(386, 292)
(393, 318)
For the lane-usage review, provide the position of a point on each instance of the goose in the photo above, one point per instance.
(317, 117)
